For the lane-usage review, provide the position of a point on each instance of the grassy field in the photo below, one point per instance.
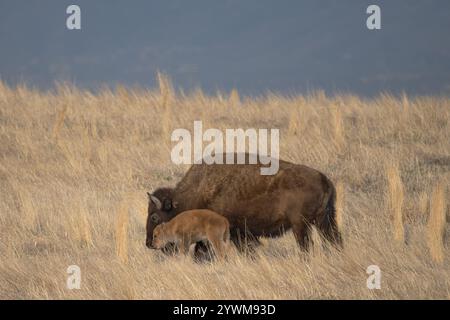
(75, 167)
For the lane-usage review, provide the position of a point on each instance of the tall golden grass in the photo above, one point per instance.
(167, 97)
(338, 126)
(436, 224)
(340, 199)
(121, 234)
(75, 167)
(395, 193)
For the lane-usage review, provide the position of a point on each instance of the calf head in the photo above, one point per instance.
(161, 208)
(160, 238)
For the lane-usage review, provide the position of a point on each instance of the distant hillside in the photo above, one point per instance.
(254, 45)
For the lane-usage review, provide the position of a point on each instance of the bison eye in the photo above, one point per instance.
(154, 218)
(167, 205)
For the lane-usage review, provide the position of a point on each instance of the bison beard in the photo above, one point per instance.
(296, 198)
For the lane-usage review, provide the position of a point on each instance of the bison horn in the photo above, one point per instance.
(156, 201)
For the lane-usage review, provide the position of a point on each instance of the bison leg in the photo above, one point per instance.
(331, 233)
(329, 230)
(171, 249)
(203, 252)
(244, 242)
(302, 233)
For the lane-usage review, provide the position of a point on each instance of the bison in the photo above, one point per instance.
(296, 197)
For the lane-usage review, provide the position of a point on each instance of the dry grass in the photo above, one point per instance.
(395, 195)
(340, 199)
(121, 235)
(75, 167)
(436, 224)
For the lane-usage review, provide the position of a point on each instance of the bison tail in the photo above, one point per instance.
(327, 223)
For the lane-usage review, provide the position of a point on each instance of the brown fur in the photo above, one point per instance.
(296, 198)
(193, 226)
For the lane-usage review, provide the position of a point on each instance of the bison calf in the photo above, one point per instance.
(191, 227)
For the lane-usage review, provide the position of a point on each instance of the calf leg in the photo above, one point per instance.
(218, 247)
(185, 244)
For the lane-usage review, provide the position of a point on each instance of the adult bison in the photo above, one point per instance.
(256, 205)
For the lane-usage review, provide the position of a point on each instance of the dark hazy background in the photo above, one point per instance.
(253, 45)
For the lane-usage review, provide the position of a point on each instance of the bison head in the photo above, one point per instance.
(161, 208)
